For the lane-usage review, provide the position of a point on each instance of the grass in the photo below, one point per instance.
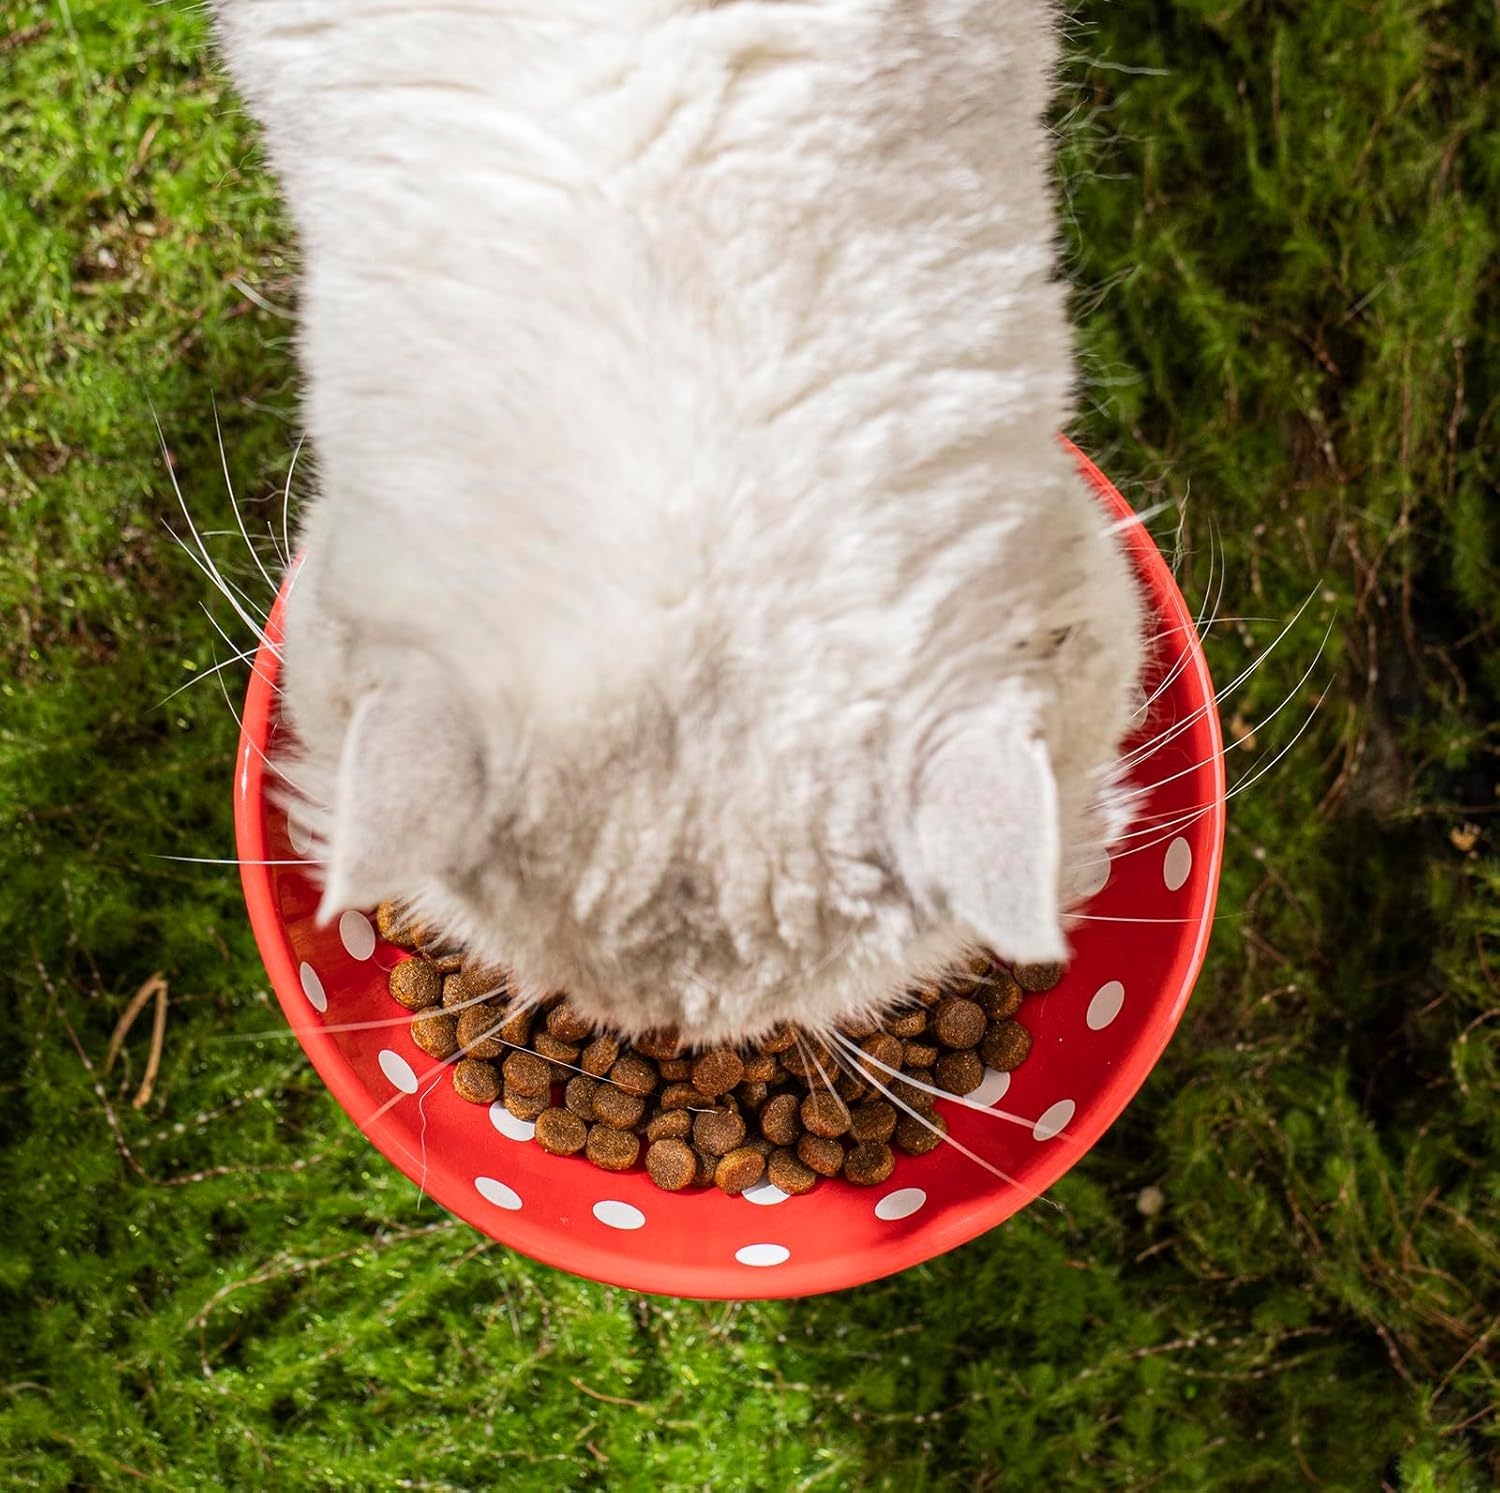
(1281, 225)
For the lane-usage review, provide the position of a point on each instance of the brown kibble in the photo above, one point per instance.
(823, 1154)
(394, 925)
(416, 984)
(919, 1054)
(761, 1067)
(778, 1041)
(718, 1131)
(958, 1022)
(600, 1055)
(850, 1086)
(675, 1070)
(567, 1025)
(873, 1121)
(476, 1081)
(738, 1169)
(717, 1072)
(614, 1150)
(917, 1138)
(446, 964)
(478, 1032)
(883, 1049)
(761, 1144)
(618, 1107)
(559, 1132)
(752, 1095)
(706, 1165)
(792, 1176)
(928, 995)
(670, 1124)
(473, 983)
(526, 1073)
(436, 1033)
(807, 1057)
(857, 1028)
(907, 1023)
(671, 1164)
(517, 1028)
(1005, 1045)
(824, 1114)
(908, 1092)
(561, 1056)
(680, 1096)
(658, 1044)
(959, 1072)
(526, 1106)
(1000, 995)
(1036, 978)
(579, 1096)
(869, 1163)
(781, 1119)
(634, 1074)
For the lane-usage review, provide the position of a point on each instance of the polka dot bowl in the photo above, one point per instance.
(1138, 946)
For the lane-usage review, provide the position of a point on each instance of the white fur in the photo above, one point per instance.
(728, 638)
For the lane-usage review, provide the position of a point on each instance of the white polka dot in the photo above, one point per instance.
(900, 1204)
(764, 1193)
(993, 1087)
(497, 1193)
(1093, 877)
(762, 1254)
(398, 1070)
(509, 1125)
(312, 987)
(357, 935)
(1105, 1005)
(1177, 864)
(1055, 1119)
(299, 835)
(618, 1215)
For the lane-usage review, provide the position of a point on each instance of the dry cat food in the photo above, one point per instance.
(790, 1109)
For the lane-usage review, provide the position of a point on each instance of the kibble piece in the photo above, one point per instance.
(919, 1054)
(907, 1023)
(436, 1033)
(868, 1163)
(778, 1041)
(959, 1072)
(517, 1029)
(476, 1081)
(658, 1044)
(562, 1057)
(416, 984)
(706, 1165)
(526, 1106)
(567, 1025)
(447, 964)
(810, 1059)
(616, 1107)
(717, 1072)
(958, 1022)
(928, 995)
(718, 1131)
(527, 1073)
(680, 1096)
(600, 1055)
(1036, 978)
(781, 1119)
(478, 1032)
(1000, 995)
(761, 1144)
(670, 1124)
(1005, 1045)
(883, 1049)
(473, 983)
(671, 1164)
(394, 925)
(634, 1074)
(614, 1150)
(851, 1086)
(559, 1132)
(919, 1136)
(674, 1070)
(857, 1028)
(792, 1176)
(760, 1067)
(823, 1154)
(909, 1092)
(824, 1114)
(873, 1121)
(738, 1169)
(752, 1095)
(579, 1096)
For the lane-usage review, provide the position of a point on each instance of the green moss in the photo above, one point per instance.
(1281, 224)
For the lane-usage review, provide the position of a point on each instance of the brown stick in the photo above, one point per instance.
(128, 1016)
(153, 1058)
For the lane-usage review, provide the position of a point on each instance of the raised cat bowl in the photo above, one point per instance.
(1096, 1036)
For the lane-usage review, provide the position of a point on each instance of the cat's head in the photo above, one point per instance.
(721, 822)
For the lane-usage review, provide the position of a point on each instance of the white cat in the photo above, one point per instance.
(698, 611)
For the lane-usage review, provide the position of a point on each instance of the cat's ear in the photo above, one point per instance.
(986, 836)
(408, 798)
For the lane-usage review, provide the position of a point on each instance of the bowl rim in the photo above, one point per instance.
(573, 1252)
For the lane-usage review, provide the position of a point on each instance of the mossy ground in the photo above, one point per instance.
(1281, 222)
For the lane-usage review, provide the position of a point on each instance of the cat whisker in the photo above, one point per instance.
(354, 1026)
(286, 498)
(233, 502)
(246, 656)
(1200, 626)
(220, 584)
(208, 860)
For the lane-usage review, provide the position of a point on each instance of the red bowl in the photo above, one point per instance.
(1137, 952)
